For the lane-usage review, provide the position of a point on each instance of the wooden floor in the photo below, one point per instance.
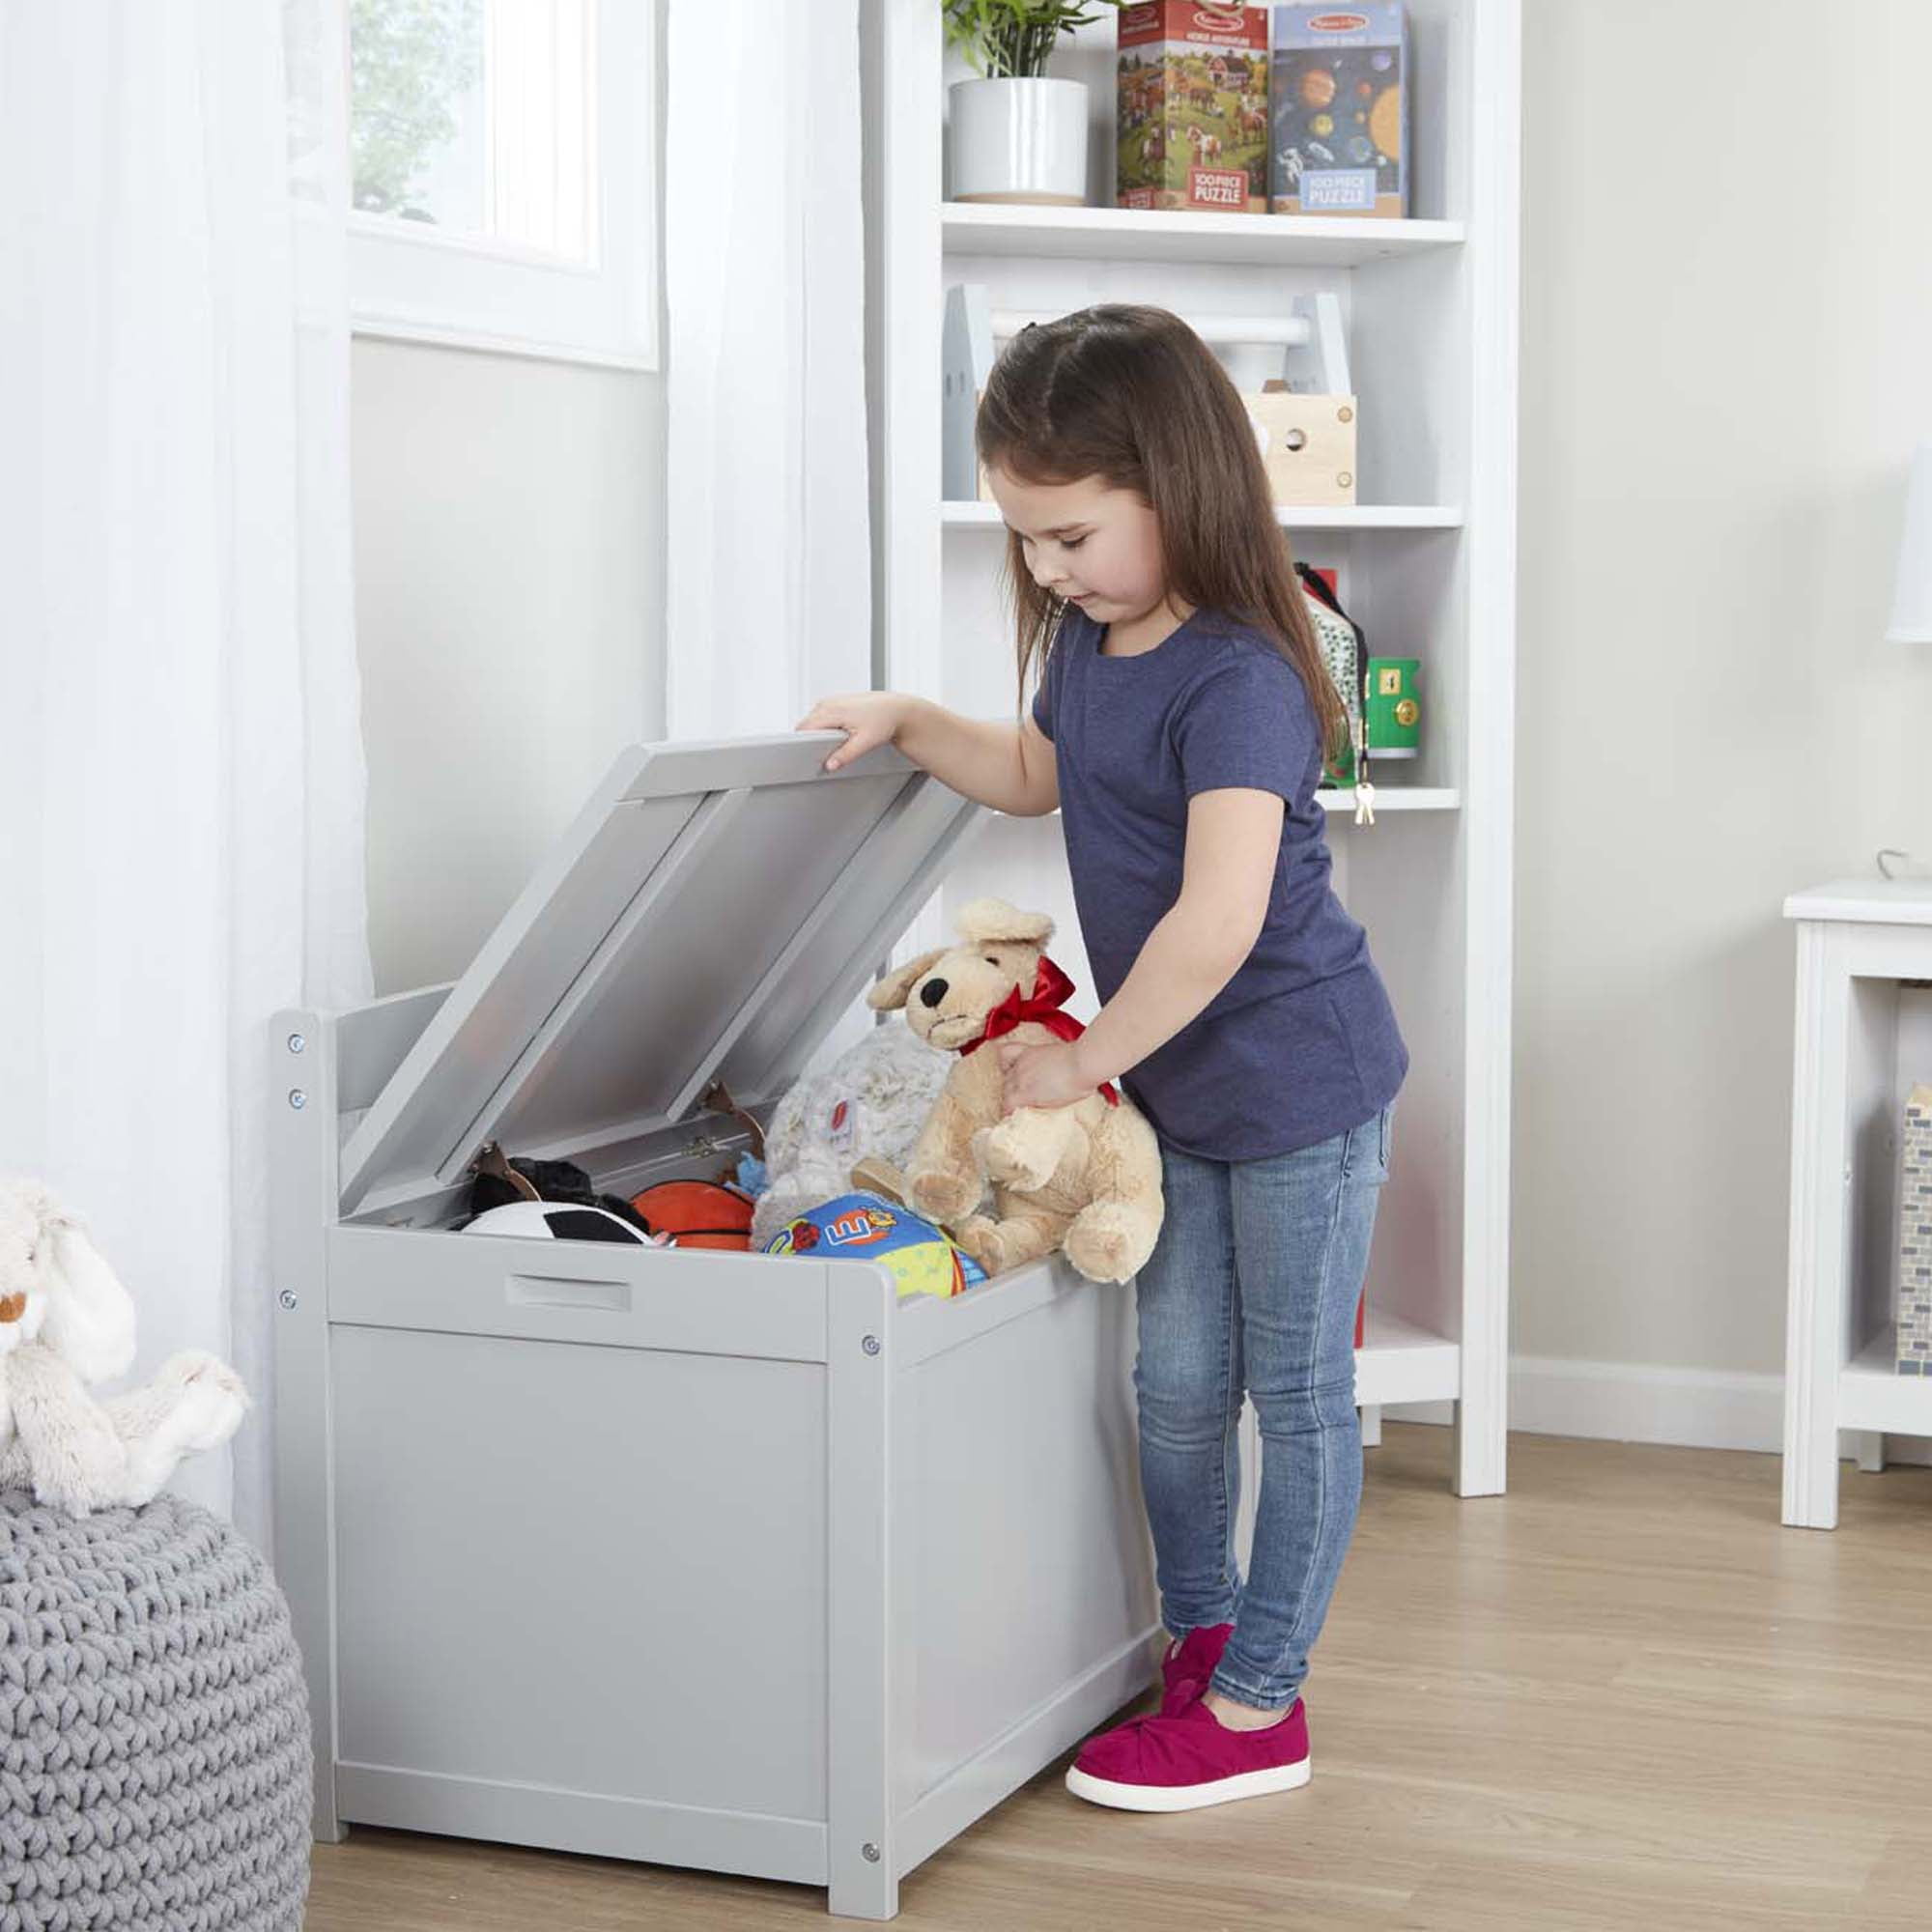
(1621, 1696)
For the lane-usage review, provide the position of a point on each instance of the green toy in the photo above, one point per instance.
(1394, 710)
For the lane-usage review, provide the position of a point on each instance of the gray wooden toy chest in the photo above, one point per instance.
(704, 1558)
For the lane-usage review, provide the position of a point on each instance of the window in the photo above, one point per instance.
(502, 175)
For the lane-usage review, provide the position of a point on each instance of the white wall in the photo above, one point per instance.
(1727, 314)
(509, 602)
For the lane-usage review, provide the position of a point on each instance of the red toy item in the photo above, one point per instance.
(698, 1214)
(1051, 988)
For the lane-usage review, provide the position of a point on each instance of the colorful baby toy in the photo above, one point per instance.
(864, 1227)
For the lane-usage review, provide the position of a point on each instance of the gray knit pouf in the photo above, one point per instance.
(154, 1766)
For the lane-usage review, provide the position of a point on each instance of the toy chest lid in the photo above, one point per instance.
(711, 912)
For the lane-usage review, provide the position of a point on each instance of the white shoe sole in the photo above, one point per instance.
(1184, 1797)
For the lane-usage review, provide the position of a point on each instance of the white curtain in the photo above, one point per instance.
(181, 787)
(768, 579)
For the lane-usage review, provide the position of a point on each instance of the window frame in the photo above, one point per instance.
(411, 282)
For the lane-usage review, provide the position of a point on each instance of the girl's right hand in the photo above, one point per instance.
(868, 718)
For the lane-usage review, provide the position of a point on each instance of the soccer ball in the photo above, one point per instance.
(558, 1221)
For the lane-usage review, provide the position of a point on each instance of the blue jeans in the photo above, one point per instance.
(1252, 1288)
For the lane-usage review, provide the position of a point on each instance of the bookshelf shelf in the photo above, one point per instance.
(1427, 566)
(1314, 517)
(1161, 234)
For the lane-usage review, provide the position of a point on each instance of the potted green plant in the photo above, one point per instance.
(1017, 134)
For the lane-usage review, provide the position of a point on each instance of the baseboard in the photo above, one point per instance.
(1629, 1401)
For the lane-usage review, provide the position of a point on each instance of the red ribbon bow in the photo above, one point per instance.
(1051, 988)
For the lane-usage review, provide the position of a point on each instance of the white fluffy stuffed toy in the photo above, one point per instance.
(871, 1102)
(65, 1323)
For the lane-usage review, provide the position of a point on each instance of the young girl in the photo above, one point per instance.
(1179, 726)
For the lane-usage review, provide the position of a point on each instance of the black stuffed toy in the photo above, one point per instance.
(498, 1181)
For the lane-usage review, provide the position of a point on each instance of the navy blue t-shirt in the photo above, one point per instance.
(1301, 1043)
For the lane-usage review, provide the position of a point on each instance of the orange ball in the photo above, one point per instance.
(698, 1214)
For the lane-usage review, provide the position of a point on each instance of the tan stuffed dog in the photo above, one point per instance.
(1084, 1177)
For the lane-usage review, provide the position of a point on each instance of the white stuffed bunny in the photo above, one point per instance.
(870, 1102)
(66, 1322)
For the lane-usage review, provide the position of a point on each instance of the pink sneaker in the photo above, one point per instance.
(1188, 1665)
(1183, 1762)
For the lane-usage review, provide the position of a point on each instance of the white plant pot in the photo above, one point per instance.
(1021, 140)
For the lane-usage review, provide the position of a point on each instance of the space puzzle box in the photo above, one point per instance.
(1341, 87)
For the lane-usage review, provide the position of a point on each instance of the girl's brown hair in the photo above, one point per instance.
(1133, 395)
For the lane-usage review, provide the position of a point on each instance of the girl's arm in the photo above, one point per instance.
(1234, 836)
(1008, 767)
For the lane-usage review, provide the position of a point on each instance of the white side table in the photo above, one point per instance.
(1863, 1037)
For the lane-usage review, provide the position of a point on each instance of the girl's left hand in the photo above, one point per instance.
(1042, 1076)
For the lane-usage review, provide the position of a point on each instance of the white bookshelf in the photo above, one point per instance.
(1426, 562)
(1861, 1041)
